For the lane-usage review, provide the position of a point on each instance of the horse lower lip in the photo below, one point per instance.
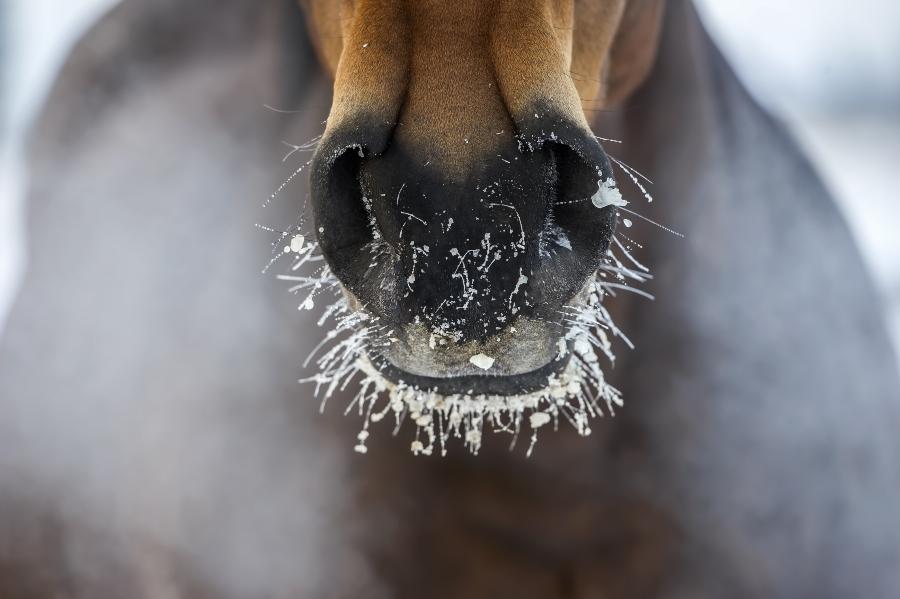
(474, 384)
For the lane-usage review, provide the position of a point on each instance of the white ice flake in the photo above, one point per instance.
(482, 361)
(607, 194)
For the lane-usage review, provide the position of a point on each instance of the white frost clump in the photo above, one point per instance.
(539, 419)
(482, 361)
(296, 245)
(607, 194)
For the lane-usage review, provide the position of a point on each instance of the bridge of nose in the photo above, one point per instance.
(452, 77)
(453, 114)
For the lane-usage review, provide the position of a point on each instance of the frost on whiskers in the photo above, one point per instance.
(574, 396)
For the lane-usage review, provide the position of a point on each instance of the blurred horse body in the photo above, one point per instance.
(154, 442)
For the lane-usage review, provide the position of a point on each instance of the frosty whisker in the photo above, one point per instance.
(652, 222)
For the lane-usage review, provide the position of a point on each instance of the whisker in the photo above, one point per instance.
(652, 222)
(630, 168)
(633, 178)
(285, 184)
(281, 111)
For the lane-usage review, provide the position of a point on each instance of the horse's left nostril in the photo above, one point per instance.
(348, 237)
(576, 233)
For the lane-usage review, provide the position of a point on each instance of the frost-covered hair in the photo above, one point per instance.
(575, 395)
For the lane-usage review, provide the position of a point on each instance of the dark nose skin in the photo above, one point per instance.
(514, 234)
(462, 244)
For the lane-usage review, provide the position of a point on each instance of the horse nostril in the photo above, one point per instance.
(572, 210)
(345, 228)
(576, 233)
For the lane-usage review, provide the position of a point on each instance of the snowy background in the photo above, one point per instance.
(832, 74)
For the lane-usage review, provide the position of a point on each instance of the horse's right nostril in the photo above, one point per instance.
(347, 234)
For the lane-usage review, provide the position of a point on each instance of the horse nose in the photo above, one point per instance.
(509, 231)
